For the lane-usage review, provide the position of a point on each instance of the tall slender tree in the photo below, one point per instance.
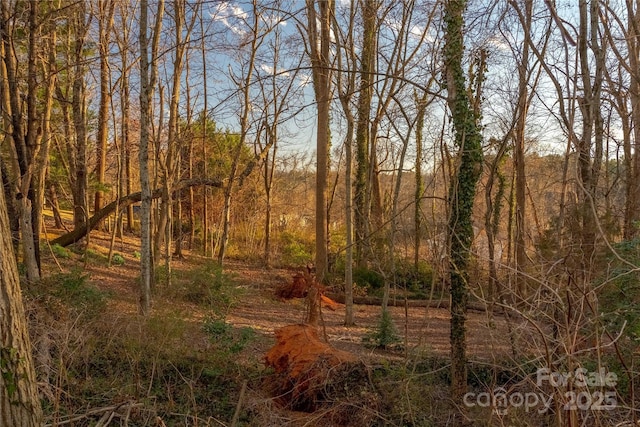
(345, 85)
(106, 11)
(319, 44)
(462, 190)
(362, 190)
(148, 78)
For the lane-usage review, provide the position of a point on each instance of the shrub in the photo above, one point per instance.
(208, 285)
(385, 335)
(60, 251)
(295, 250)
(367, 277)
(414, 279)
(73, 289)
(117, 259)
(621, 291)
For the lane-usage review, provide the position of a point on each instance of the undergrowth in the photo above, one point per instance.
(185, 364)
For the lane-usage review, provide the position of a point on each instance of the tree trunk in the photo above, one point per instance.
(632, 206)
(105, 23)
(269, 165)
(205, 193)
(349, 315)
(42, 159)
(346, 83)
(417, 213)
(461, 192)
(19, 400)
(589, 152)
(322, 86)
(363, 138)
(148, 76)
(79, 114)
(24, 147)
(125, 104)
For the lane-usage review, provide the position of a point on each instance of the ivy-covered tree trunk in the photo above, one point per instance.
(462, 190)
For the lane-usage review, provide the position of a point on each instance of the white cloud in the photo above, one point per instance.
(230, 16)
(270, 70)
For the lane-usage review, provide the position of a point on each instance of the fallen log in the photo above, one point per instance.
(400, 302)
(78, 233)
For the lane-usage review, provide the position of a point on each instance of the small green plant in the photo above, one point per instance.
(75, 289)
(8, 358)
(60, 251)
(94, 256)
(136, 254)
(620, 293)
(385, 335)
(415, 279)
(117, 259)
(226, 338)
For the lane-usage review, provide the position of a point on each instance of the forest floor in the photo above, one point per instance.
(423, 333)
(423, 330)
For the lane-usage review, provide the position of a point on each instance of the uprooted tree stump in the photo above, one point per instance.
(304, 285)
(310, 375)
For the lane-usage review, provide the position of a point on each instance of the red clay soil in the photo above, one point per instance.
(303, 364)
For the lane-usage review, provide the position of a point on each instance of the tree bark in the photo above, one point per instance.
(148, 77)
(462, 191)
(362, 182)
(346, 83)
(322, 86)
(19, 401)
(79, 114)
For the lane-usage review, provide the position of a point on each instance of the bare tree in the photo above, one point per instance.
(345, 85)
(319, 46)
(243, 84)
(106, 10)
(148, 78)
(169, 163)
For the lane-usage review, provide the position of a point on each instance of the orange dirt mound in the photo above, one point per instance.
(304, 365)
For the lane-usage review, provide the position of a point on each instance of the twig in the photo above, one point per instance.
(236, 414)
(95, 411)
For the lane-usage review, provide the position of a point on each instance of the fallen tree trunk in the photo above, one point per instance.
(78, 233)
(400, 302)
